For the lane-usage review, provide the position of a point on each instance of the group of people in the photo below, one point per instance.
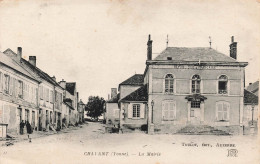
(28, 127)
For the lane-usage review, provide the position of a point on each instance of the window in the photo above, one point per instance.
(195, 86)
(6, 83)
(41, 92)
(195, 104)
(20, 89)
(51, 96)
(222, 84)
(222, 111)
(169, 110)
(1, 82)
(169, 83)
(136, 110)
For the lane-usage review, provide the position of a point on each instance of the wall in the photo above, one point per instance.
(25, 99)
(112, 113)
(209, 89)
(134, 122)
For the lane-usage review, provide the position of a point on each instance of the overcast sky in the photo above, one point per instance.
(101, 43)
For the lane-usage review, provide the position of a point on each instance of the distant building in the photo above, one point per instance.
(70, 99)
(111, 114)
(81, 108)
(253, 87)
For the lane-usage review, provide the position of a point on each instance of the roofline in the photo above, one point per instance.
(182, 62)
(20, 72)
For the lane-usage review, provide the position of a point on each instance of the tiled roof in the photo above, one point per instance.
(32, 69)
(250, 98)
(193, 54)
(70, 87)
(140, 94)
(114, 99)
(16, 65)
(254, 88)
(137, 79)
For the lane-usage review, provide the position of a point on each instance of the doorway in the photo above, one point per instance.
(195, 112)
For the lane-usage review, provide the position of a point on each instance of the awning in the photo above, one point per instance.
(196, 97)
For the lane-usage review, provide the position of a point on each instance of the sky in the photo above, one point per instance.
(99, 44)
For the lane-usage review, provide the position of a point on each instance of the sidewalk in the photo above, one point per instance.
(34, 135)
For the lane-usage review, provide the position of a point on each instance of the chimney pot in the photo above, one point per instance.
(233, 48)
(149, 48)
(32, 60)
(19, 53)
(113, 93)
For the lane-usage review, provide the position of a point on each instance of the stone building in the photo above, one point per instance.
(18, 93)
(27, 93)
(81, 108)
(70, 99)
(186, 87)
(111, 114)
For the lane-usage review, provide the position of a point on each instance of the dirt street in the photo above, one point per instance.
(90, 144)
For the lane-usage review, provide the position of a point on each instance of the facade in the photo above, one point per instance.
(111, 114)
(186, 87)
(18, 93)
(29, 94)
(70, 99)
(81, 108)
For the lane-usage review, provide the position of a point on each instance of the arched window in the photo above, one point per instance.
(195, 85)
(169, 83)
(222, 84)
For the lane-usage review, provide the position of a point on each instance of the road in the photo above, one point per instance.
(90, 144)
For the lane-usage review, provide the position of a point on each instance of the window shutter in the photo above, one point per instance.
(1, 82)
(142, 110)
(163, 116)
(130, 111)
(228, 109)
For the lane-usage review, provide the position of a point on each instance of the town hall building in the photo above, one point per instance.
(185, 87)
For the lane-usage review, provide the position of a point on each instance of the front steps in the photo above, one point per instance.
(201, 130)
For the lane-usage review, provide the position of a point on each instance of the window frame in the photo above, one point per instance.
(167, 103)
(223, 80)
(196, 84)
(6, 83)
(169, 84)
(136, 111)
(221, 118)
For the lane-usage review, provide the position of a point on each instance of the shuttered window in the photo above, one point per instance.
(6, 83)
(136, 111)
(222, 111)
(20, 89)
(168, 110)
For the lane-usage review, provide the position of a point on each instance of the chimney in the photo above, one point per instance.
(149, 48)
(32, 60)
(113, 93)
(62, 83)
(19, 53)
(233, 48)
(54, 78)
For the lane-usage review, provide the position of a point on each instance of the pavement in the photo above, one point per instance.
(90, 144)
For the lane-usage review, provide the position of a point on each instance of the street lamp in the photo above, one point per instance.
(152, 104)
(253, 106)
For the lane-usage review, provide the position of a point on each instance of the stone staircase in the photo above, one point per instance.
(201, 130)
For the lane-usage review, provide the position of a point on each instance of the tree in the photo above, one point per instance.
(95, 106)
